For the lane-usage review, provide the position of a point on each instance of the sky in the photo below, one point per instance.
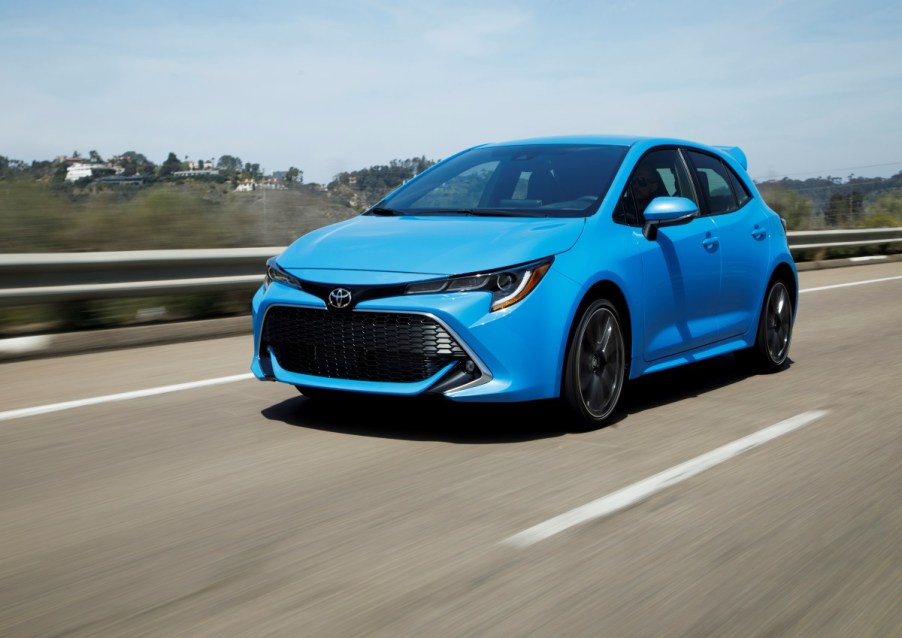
(806, 88)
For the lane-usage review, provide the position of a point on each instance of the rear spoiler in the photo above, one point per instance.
(736, 153)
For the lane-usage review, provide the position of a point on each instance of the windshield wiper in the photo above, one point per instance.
(510, 213)
(384, 212)
(479, 212)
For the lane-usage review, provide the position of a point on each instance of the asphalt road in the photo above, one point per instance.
(239, 508)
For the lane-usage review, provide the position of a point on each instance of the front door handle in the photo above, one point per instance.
(710, 243)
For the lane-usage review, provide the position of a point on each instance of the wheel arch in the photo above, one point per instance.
(604, 289)
(785, 272)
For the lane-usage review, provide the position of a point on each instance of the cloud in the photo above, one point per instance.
(329, 87)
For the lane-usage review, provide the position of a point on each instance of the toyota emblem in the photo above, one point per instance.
(340, 298)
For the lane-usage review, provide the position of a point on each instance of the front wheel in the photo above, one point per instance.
(596, 364)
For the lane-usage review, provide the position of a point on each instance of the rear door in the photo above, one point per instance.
(741, 230)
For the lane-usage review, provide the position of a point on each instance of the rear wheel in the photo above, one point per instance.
(596, 364)
(774, 334)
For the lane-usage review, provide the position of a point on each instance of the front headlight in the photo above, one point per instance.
(508, 286)
(275, 273)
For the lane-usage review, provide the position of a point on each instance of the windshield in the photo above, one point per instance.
(543, 180)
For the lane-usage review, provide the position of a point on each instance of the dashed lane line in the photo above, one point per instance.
(851, 283)
(122, 396)
(628, 496)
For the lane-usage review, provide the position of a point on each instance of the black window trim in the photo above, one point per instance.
(686, 167)
(704, 209)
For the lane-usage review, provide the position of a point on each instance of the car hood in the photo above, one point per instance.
(428, 245)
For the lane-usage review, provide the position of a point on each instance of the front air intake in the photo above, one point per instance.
(360, 345)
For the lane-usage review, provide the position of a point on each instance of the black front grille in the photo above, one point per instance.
(360, 345)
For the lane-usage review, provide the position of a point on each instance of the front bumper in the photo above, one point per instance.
(466, 352)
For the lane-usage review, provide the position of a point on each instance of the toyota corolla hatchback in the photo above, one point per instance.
(534, 269)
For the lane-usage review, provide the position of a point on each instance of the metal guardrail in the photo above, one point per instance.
(39, 278)
(812, 239)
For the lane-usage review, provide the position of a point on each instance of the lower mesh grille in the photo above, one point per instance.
(363, 346)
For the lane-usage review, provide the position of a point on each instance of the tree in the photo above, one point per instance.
(796, 209)
(171, 165)
(136, 164)
(95, 158)
(886, 211)
(844, 210)
(375, 182)
(252, 170)
(294, 175)
(229, 164)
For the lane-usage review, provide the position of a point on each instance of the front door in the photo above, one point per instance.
(681, 268)
(681, 273)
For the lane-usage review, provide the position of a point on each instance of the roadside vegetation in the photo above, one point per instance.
(832, 202)
(130, 203)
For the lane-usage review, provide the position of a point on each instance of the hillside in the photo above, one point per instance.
(832, 202)
(37, 216)
(145, 207)
(278, 217)
(41, 212)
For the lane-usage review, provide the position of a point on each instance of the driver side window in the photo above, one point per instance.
(659, 173)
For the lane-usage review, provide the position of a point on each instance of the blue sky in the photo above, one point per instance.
(806, 88)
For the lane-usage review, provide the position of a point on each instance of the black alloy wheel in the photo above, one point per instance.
(774, 328)
(595, 369)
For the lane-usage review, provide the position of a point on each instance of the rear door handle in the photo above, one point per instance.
(758, 232)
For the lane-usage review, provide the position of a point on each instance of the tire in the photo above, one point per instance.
(774, 335)
(595, 369)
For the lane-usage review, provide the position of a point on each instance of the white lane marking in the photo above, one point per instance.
(636, 492)
(18, 345)
(868, 258)
(122, 396)
(851, 283)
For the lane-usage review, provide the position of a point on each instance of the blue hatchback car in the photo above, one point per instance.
(534, 269)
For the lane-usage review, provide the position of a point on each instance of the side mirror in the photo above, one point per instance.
(667, 211)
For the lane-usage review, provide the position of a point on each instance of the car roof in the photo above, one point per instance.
(608, 140)
(734, 152)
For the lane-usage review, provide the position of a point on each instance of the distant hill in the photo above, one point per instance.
(831, 202)
(38, 216)
(40, 211)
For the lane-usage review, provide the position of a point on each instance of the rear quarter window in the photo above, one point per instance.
(721, 189)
